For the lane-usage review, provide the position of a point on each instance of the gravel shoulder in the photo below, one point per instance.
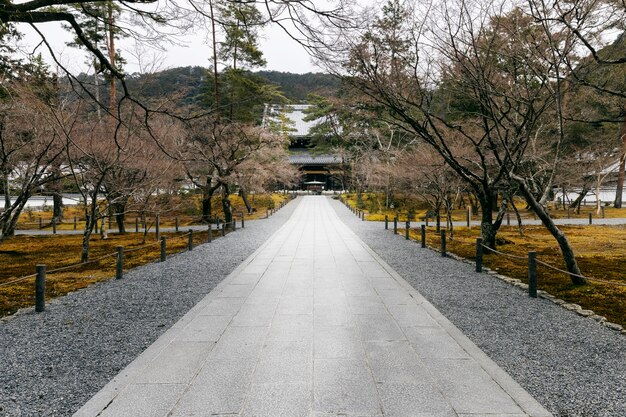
(572, 365)
(52, 363)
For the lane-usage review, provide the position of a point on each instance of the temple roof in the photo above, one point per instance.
(295, 113)
(305, 158)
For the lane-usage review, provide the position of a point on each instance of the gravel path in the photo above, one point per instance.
(572, 365)
(52, 363)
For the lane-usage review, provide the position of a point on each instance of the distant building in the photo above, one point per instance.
(320, 172)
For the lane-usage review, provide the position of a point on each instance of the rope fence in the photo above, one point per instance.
(40, 276)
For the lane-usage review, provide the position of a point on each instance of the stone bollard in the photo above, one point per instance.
(190, 242)
(243, 220)
(395, 225)
(386, 222)
(423, 231)
(163, 248)
(223, 229)
(479, 255)
(119, 264)
(177, 224)
(40, 289)
(532, 274)
(209, 237)
(406, 230)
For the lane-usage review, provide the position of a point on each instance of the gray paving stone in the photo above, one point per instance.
(347, 399)
(284, 362)
(395, 361)
(240, 342)
(468, 388)
(413, 400)
(254, 315)
(335, 342)
(291, 327)
(433, 342)
(412, 315)
(178, 363)
(236, 291)
(204, 329)
(220, 388)
(278, 400)
(222, 307)
(144, 400)
(379, 327)
(295, 305)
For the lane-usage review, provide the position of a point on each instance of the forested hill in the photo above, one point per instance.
(186, 84)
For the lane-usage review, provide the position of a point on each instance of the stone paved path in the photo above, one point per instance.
(313, 324)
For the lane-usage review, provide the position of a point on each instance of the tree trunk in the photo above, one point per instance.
(566, 249)
(578, 201)
(244, 197)
(622, 165)
(120, 216)
(57, 207)
(487, 230)
(226, 206)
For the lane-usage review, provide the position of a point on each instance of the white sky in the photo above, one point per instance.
(281, 52)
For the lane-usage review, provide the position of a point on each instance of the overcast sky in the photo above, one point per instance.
(281, 52)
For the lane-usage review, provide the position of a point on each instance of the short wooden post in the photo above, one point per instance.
(423, 236)
(234, 223)
(267, 214)
(223, 229)
(508, 219)
(75, 222)
(40, 223)
(177, 223)
(163, 248)
(54, 226)
(590, 218)
(209, 237)
(443, 243)
(532, 274)
(602, 209)
(156, 227)
(427, 218)
(40, 289)
(468, 217)
(395, 225)
(136, 225)
(363, 215)
(119, 265)
(190, 242)
(243, 220)
(479, 255)
(386, 222)
(406, 230)
(568, 212)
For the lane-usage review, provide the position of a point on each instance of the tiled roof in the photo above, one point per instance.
(305, 158)
(295, 113)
